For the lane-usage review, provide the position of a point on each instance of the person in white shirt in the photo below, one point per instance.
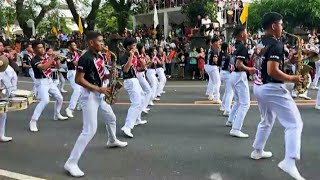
(206, 25)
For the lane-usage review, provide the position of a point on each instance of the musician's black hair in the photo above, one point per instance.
(139, 47)
(270, 18)
(224, 47)
(215, 39)
(208, 41)
(36, 43)
(238, 29)
(128, 42)
(70, 42)
(91, 35)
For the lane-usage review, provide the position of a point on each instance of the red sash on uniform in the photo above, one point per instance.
(48, 71)
(134, 62)
(99, 64)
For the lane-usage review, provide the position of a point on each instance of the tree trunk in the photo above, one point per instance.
(90, 20)
(20, 13)
(122, 20)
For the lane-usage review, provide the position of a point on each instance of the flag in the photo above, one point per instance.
(155, 17)
(8, 30)
(80, 25)
(54, 31)
(244, 14)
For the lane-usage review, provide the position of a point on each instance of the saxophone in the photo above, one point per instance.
(301, 68)
(114, 83)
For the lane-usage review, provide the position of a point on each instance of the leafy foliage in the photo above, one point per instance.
(32, 9)
(199, 7)
(122, 11)
(106, 19)
(304, 13)
(52, 19)
(8, 15)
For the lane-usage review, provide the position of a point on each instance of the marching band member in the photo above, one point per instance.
(90, 75)
(213, 71)
(142, 66)
(72, 62)
(8, 82)
(317, 75)
(318, 100)
(223, 62)
(26, 63)
(240, 84)
(41, 65)
(131, 84)
(160, 71)
(151, 74)
(275, 101)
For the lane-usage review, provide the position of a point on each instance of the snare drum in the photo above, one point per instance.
(18, 103)
(23, 93)
(3, 106)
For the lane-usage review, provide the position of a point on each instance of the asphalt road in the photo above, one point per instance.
(185, 139)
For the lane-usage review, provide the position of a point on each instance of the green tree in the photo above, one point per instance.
(106, 19)
(32, 9)
(199, 7)
(52, 19)
(304, 13)
(90, 19)
(7, 13)
(123, 9)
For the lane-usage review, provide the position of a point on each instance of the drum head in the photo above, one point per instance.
(3, 102)
(20, 92)
(18, 99)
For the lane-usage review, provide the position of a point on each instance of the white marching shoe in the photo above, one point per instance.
(146, 111)
(263, 155)
(73, 170)
(5, 139)
(291, 169)
(127, 132)
(238, 133)
(141, 122)
(151, 103)
(225, 113)
(221, 109)
(33, 126)
(59, 117)
(63, 91)
(69, 113)
(317, 107)
(304, 97)
(229, 124)
(116, 143)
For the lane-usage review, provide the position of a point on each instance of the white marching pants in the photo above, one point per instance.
(146, 88)
(34, 88)
(90, 103)
(62, 80)
(317, 75)
(318, 98)
(132, 86)
(3, 118)
(228, 92)
(46, 86)
(239, 83)
(213, 88)
(162, 80)
(153, 81)
(275, 101)
(71, 75)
